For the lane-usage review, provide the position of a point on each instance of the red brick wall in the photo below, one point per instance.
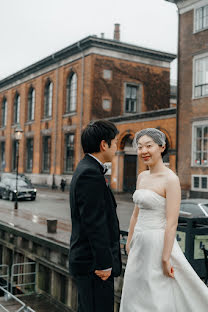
(155, 95)
(154, 80)
(189, 109)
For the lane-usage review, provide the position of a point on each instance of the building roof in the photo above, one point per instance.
(84, 44)
(159, 113)
(173, 1)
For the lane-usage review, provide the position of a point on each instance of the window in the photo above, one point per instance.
(4, 113)
(199, 183)
(31, 104)
(196, 182)
(15, 151)
(201, 77)
(107, 74)
(16, 109)
(200, 144)
(48, 99)
(201, 18)
(2, 156)
(46, 153)
(131, 99)
(106, 104)
(71, 93)
(69, 152)
(29, 157)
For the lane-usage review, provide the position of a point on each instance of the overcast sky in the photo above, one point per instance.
(33, 29)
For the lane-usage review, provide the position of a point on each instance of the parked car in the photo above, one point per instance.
(8, 189)
(2, 187)
(22, 176)
(195, 207)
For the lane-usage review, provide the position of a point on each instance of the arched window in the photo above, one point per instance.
(31, 104)
(71, 93)
(48, 99)
(4, 113)
(17, 109)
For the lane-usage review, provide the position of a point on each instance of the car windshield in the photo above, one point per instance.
(21, 183)
(205, 206)
(192, 208)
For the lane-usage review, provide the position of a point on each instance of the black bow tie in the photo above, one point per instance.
(105, 169)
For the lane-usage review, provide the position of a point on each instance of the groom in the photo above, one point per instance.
(94, 256)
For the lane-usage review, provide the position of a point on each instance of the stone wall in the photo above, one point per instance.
(51, 259)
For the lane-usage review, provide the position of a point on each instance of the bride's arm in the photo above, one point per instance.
(133, 221)
(134, 217)
(173, 199)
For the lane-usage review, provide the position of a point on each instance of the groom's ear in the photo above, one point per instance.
(103, 144)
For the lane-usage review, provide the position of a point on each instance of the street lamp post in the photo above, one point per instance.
(18, 136)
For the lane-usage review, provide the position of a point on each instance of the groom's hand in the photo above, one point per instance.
(104, 275)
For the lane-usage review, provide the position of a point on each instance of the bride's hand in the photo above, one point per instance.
(168, 270)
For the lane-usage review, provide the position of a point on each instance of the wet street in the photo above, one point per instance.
(32, 215)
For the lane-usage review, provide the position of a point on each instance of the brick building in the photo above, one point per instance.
(192, 119)
(53, 99)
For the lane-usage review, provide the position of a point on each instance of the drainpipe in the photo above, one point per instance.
(82, 100)
(177, 105)
(56, 123)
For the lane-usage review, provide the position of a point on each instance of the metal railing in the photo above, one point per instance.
(23, 277)
(8, 296)
(5, 276)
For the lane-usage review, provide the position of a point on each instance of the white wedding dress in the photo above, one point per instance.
(146, 288)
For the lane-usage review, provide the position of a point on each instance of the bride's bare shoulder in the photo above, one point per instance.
(141, 176)
(143, 173)
(171, 176)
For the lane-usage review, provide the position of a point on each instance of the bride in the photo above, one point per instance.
(158, 278)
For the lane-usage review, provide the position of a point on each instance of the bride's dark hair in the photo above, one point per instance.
(158, 137)
(165, 152)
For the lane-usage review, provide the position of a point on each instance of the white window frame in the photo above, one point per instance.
(138, 98)
(71, 93)
(195, 125)
(200, 5)
(48, 100)
(16, 107)
(195, 59)
(200, 183)
(31, 104)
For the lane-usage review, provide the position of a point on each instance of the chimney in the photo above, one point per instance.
(117, 32)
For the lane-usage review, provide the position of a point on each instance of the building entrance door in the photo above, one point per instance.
(130, 169)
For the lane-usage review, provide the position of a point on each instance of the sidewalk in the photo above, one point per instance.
(119, 196)
(35, 225)
(29, 222)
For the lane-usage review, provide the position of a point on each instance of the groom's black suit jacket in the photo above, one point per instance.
(95, 235)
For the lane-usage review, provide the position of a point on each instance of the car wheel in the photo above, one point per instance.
(4, 195)
(11, 196)
(33, 198)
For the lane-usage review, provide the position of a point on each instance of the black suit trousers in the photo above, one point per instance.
(94, 294)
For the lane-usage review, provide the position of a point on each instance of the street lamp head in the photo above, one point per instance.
(18, 133)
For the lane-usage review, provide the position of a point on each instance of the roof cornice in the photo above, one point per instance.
(82, 45)
(165, 112)
(187, 5)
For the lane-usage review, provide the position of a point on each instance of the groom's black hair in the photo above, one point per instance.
(95, 132)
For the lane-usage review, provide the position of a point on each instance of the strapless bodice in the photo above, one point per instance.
(152, 210)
